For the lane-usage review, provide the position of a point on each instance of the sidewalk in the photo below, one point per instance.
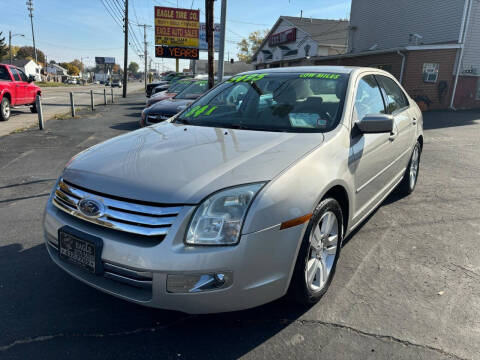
(56, 102)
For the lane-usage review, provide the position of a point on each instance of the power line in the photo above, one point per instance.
(109, 12)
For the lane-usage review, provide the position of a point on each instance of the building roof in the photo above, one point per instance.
(21, 62)
(57, 67)
(323, 31)
(445, 46)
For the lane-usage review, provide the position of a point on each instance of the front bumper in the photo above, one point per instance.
(261, 264)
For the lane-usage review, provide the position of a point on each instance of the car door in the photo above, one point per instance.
(397, 104)
(29, 87)
(19, 98)
(372, 153)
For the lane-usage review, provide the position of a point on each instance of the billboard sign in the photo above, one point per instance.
(176, 27)
(104, 60)
(176, 52)
(203, 37)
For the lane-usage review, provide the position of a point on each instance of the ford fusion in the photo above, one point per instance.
(243, 197)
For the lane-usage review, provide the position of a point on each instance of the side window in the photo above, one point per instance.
(395, 99)
(4, 75)
(15, 74)
(22, 75)
(368, 99)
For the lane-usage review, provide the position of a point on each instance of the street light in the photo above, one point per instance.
(10, 36)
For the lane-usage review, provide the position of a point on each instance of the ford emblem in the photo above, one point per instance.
(91, 208)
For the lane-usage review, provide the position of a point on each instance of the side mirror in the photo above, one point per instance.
(379, 123)
(31, 78)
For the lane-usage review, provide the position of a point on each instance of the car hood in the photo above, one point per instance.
(169, 106)
(176, 164)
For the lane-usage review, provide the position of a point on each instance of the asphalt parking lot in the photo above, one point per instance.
(407, 284)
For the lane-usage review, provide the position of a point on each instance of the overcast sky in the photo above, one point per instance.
(70, 29)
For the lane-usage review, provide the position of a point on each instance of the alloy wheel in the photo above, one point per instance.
(414, 167)
(6, 110)
(322, 251)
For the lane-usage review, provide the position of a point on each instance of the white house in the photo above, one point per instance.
(294, 41)
(29, 67)
(55, 69)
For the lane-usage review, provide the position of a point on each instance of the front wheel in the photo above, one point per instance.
(318, 255)
(5, 109)
(33, 108)
(410, 178)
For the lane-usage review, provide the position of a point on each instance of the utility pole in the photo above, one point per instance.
(10, 36)
(125, 53)
(145, 54)
(221, 54)
(210, 39)
(30, 9)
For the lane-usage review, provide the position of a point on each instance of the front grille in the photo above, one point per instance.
(123, 215)
(140, 279)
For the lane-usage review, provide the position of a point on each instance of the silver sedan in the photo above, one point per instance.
(244, 196)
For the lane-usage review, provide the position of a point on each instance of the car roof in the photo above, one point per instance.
(308, 69)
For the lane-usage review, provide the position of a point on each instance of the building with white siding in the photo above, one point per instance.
(431, 46)
(294, 41)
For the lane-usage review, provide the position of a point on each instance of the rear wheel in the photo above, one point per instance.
(318, 255)
(5, 109)
(410, 178)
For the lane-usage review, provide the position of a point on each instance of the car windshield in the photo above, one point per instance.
(194, 90)
(291, 102)
(179, 86)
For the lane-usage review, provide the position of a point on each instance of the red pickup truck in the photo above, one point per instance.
(16, 89)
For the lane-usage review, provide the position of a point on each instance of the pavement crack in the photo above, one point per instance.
(380, 336)
(43, 338)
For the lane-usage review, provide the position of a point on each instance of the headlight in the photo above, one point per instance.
(219, 219)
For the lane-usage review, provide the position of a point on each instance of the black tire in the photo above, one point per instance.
(407, 185)
(299, 290)
(5, 109)
(33, 108)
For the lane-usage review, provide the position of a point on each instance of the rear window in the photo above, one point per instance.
(4, 75)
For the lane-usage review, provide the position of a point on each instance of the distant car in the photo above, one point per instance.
(72, 81)
(16, 89)
(116, 83)
(170, 92)
(165, 109)
(107, 83)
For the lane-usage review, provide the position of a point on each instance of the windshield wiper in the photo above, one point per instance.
(182, 121)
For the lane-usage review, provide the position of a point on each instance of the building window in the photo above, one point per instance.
(430, 72)
(478, 89)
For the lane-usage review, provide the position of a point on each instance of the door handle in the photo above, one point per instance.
(414, 121)
(393, 136)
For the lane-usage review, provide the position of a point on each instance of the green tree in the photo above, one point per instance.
(78, 64)
(3, 47)
(249, 45)
(27, 51)
(71, 68)
(133, 67)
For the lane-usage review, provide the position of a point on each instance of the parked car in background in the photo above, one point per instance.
(16, 89)
(167, 108)
(171, 92)
(237, 200)
(116, 83)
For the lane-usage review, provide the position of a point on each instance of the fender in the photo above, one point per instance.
(3, 92)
